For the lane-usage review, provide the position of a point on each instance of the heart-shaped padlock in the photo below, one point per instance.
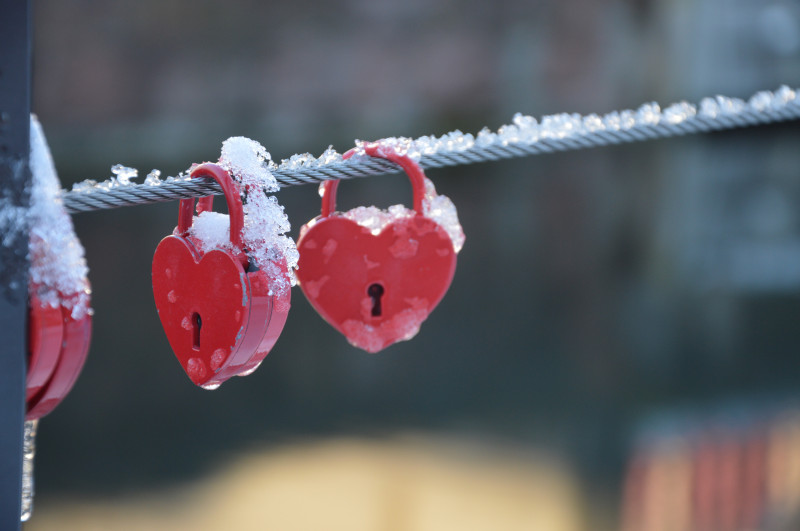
(216, 307)
(58, 346)
(375, 285)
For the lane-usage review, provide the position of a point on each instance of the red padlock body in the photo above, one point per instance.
(375, 289)
(74, 349)
(275, 319)
(216, 316)
(45, 333)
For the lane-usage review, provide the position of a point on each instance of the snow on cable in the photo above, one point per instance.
(524, 136)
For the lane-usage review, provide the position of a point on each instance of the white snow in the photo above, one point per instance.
(376, 219)
(265, 223)
(441, 210)
(58, 267)
(212, 230)
(437, 207)
(248, 162)
(153, 178)
(123, 176)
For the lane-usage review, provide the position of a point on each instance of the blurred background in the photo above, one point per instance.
(619, 345)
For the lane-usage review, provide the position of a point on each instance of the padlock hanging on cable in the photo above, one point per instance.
(60, 316)
(375, 275)
(218, 310)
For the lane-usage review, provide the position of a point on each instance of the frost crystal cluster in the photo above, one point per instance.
(58, 267)
(439, 208)
(265, 222)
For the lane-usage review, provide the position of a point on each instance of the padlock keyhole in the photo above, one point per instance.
(376, 292)
(197, 324)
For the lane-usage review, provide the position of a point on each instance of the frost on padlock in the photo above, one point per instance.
(58, 267)
(265, 222)
(59, 308)
(222, 283)
(375, 275)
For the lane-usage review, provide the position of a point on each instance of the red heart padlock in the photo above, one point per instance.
(215, 306)
(71, 355)
(59, 324)
(375, 286)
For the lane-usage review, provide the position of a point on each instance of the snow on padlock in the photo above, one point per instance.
(59, 313)
(215, 305)
(375, 275)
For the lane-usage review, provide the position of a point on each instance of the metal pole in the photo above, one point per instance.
(15, 89)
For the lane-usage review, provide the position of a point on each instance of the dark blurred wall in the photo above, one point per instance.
(574, 308)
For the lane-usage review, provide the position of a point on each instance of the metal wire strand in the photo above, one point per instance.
(450, 154)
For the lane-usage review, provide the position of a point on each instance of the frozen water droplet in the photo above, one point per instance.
(28, 454)
(648, 114)
(627, 119)
(486, 137)
(784, 95)
(679, 112)
(730, 105)
(153, 178)
(404, 248)
(761, 101)
(171, 296)
(196, 369)
(329, 248)
(592, 123)
(186, 323)
(374, 219)
(217, 359)
(211, 386)
(124, 174)
(709, 107)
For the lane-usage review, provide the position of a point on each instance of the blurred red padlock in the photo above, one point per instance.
(58, 346)
(45, 333)
(215, 305)
(375, 287)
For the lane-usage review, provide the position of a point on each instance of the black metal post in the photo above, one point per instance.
(15, 100)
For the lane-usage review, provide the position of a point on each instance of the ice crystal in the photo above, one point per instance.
(58, 268)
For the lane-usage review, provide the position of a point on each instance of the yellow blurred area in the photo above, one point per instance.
(346, 484)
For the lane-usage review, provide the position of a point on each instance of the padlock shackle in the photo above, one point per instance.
(410, 166)
(232, 197)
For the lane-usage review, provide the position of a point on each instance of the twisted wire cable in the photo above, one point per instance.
(525, 137)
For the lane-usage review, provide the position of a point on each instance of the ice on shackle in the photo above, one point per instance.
(58, 267)
(265, 222)
(439, 208)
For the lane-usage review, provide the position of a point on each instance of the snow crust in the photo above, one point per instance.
(439, 208)
(58, 270)
(523, 130)
(265, 223)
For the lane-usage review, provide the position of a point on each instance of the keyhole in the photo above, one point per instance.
(376, 292)
(197, 324)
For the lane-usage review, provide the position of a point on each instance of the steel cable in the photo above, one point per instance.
(527, 137)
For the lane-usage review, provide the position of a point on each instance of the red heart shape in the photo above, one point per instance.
(220, 320)
(411, 260)
(76, 336)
